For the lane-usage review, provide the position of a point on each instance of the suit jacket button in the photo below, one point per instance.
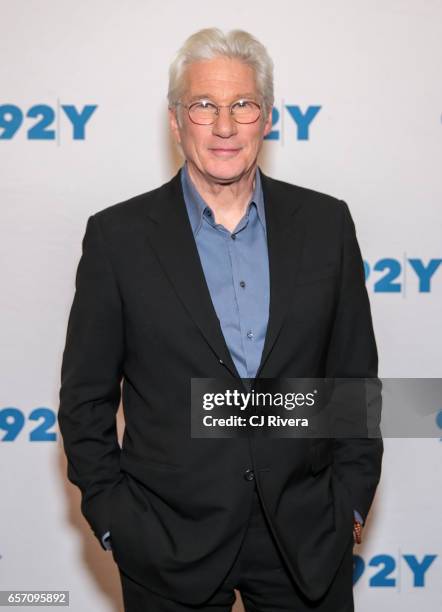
(249, 475)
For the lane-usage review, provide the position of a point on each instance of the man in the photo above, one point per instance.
(222, 272)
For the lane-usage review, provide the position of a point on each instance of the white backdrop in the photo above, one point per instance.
(373, 68)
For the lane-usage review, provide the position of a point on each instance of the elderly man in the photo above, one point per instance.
(222, 272)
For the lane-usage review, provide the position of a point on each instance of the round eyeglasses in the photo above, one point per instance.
(205, 112)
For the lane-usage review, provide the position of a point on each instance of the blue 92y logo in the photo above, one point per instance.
(389, 275)
(298, 119)
(39, 121)
(382, 570)
(12, 421)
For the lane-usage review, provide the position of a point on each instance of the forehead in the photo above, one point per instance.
(222, 78)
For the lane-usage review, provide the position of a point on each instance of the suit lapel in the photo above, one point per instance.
(170, 235)
(285, 236)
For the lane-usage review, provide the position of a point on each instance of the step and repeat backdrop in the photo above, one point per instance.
(83, 125)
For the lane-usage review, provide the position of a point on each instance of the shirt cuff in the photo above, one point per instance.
(106, 541)
(358, 517)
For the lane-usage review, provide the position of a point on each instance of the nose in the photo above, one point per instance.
(224, 124)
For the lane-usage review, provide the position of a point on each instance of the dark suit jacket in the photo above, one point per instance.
(177, 506)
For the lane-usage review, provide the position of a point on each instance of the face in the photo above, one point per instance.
(224, 151)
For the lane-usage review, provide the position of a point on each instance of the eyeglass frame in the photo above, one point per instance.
(218, 106)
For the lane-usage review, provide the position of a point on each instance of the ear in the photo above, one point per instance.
(268, 123)
(173, 122)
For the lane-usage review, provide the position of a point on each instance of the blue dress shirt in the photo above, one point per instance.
(236, 269)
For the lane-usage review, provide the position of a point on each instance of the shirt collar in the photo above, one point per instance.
(196, 205)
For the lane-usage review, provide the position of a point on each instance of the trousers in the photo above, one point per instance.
(260, 575)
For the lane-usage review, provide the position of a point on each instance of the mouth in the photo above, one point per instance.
(224, 151)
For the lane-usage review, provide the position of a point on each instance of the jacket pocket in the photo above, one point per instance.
(128, 462)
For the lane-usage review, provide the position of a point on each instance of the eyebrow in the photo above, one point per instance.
(236, 97)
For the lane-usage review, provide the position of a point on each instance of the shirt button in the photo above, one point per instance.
(249, 475)
(250, 334)
(208, 213)
(242, 284)
(233, 236)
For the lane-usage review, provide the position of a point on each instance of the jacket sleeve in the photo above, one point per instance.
(352, 353)
(91, 374)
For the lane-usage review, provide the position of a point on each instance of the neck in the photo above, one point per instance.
(228, 199)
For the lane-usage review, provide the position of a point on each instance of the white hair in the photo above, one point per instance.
(236, 44)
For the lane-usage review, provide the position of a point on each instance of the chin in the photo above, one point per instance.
(226, 169)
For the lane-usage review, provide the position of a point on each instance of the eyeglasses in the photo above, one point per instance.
(205, 112)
